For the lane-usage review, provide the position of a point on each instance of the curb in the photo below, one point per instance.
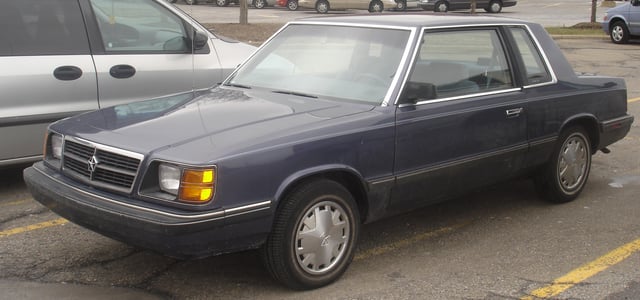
(578, 36)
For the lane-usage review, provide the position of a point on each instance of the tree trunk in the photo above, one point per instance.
(593, 10)
(244, 12)
(473, 7)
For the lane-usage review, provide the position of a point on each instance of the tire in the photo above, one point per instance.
(376, 6)
(314, 235)
(619, 33)
(564, 176)
(191, 2)
(494, 7)
(322, 6)
(222, 2)
(259, 3)
(441, 6)
(292, 4)
(172, 1)
(401, 5)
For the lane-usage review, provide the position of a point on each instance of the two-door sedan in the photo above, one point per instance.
(332, 123)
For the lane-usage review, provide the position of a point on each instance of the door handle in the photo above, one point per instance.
(122, 71)
(67, 73)
(513, 112)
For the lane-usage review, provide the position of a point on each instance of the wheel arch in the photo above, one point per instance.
(344, 175)
(616, 19)
(590, 125)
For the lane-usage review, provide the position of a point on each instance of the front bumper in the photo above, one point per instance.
(177, 234)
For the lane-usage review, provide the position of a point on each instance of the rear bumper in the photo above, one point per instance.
(177, 234)
(614, 130)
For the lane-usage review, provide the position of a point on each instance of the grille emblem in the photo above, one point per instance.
(93, 163)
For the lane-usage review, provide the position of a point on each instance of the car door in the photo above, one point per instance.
(145, 51)
(634, 18)
(47, 72)
(463, 121)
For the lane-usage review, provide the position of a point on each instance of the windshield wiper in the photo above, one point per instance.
(296, 94)
(242, 86)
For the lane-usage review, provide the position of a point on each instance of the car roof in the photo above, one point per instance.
(414, 20)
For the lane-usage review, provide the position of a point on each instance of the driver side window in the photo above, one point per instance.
(139, 26)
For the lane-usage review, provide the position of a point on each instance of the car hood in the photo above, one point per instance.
(217, 123)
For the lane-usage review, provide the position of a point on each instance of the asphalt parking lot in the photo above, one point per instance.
(500, 243)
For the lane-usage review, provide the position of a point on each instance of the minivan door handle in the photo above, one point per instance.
(122, 71)
(513, 112)
(67, 73)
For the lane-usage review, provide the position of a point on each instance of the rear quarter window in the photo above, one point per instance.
(535, 68)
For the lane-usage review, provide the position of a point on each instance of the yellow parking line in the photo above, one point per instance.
(17, 202)
(633, 99)
(584, 272)
(406, 242)
(51, 223)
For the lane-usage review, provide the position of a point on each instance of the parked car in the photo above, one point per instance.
(492, 6)
(323, 6)
(334, 122)
(623, 22)
(62, 57)
(254, 3)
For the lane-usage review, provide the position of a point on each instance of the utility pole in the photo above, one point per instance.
(244, 12)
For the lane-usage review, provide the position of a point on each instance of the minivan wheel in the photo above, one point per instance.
(619, 33)
(376, 6)
(441, 6)
(314, 234)
(292, 4)
(322, 6)
(564, 176)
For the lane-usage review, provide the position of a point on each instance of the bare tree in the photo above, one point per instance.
(244, 12)
(593, 10)
(473, 7)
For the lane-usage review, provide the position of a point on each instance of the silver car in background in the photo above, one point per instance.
(323, 6)
(61, 57)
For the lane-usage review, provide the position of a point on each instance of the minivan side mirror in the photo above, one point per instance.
(199, 40)
(415, 92)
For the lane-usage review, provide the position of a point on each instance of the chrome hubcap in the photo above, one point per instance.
(442, 7)
(495, 7)
(321, 238)
(617, 33)
(573, 163)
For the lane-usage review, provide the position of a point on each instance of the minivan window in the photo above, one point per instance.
(36, 27)
(139, 26)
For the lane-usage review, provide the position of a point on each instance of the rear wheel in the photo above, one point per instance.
(619, 33)
(259, 3)
(495, 7)
(322, 6)
(191, 2)
(376, 6)
(401, 5)
(292, 4)
(314, 235)
(222, 2)
(565, 175)
(441, 6)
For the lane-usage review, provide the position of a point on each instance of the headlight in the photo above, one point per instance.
(192, 185)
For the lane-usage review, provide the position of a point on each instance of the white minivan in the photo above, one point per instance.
(62, 57)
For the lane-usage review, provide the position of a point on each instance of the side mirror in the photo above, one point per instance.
(199, 40)
(415, 92)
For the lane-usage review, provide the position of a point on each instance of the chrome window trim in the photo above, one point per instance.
(554, 78)
(461, 97)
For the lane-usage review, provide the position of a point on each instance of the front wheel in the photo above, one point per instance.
(441, 7)
(619, 33)
(191, 2)
(292, 4)
(376, 6)
(564, 176)
(494, 7)
(259, 3)
(314, 235)
(222, 3)
(322, 6)
(401, 5)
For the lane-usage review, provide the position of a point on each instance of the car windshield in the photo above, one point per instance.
(348, 63)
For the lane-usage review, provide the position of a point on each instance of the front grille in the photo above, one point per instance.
(101, 166)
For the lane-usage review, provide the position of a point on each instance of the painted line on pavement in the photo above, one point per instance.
(585, 272)
(633, 99)
(407, 242)
(16, 202)
(42, 225)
